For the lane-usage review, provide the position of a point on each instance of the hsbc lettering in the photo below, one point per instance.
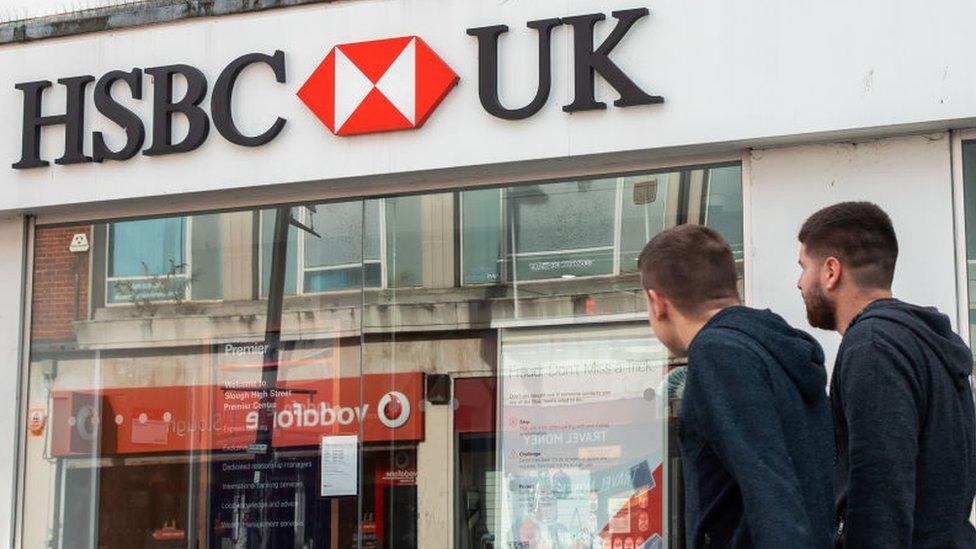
(587, 62)
(163, 109)
(368, 87)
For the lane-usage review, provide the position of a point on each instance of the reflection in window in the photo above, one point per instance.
(589, 227)
(510, 377)
(169, 259)
(338, 258)
(372, 244)
(404, 249)
(723, 205)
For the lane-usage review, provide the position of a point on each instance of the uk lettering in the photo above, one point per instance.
(589, 60)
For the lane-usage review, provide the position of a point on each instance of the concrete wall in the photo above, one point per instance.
(909, 177)
(12, 250)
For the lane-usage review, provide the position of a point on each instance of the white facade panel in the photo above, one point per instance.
(909, 177)
(730, 75)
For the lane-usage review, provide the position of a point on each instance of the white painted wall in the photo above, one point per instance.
(12, 250)
(909, 177)
(731, 73)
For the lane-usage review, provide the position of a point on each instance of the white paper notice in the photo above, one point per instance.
(340, 465)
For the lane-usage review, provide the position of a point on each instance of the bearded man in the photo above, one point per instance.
(901, 394)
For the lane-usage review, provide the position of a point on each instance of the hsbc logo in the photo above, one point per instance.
(358, 88)
(376, 86)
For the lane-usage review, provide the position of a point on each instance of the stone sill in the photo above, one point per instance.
(337, 315)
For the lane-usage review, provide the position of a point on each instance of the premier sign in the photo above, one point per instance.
(359, 88)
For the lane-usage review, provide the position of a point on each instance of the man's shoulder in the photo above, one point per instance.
(874, 331)
(722, 337)
(875, 346)
(718, 344)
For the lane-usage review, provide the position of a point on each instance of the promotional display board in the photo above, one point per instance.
(582, 438)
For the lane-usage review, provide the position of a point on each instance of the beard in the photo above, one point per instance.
(821, 313)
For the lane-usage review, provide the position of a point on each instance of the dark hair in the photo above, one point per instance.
(860, 236)
(691, 265)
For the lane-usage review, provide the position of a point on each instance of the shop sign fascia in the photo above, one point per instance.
(82, 124)
(589, 59)
(725, 91)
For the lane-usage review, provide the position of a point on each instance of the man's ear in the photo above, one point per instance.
(659, 305)
(831, 273)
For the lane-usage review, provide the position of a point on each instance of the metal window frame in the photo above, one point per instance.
(959, 230)
(18, 483)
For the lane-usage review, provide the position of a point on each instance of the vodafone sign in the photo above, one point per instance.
(365, 87)
(394, 409)
(227, 417)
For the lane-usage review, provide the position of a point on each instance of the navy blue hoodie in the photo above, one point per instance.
(756, 435)
(906, 431)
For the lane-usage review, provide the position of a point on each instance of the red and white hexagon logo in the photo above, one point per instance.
(394, 409)
(378, 86)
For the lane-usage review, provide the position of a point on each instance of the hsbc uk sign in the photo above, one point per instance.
(358, 88)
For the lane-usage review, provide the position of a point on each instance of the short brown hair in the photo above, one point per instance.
(860, 235)
(691, 265)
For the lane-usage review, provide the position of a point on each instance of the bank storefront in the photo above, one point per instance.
(364, 273)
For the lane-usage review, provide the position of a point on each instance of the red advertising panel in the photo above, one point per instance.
(226, 417)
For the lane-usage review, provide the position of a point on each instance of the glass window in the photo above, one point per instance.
(643, 215)
(723, 205)
(267, 243)
(337, 257)
(374, 243)
(468, 369)
(163, 260)
(590, 227)
(481, 246)
(404, 249)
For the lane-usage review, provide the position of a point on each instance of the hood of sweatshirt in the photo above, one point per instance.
(932, 327)
(796, 352)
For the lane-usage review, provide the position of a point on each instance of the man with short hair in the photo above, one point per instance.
(900, 391)
(756, 435)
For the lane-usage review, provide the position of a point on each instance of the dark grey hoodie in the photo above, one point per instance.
(756, 436)
(906, 431)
